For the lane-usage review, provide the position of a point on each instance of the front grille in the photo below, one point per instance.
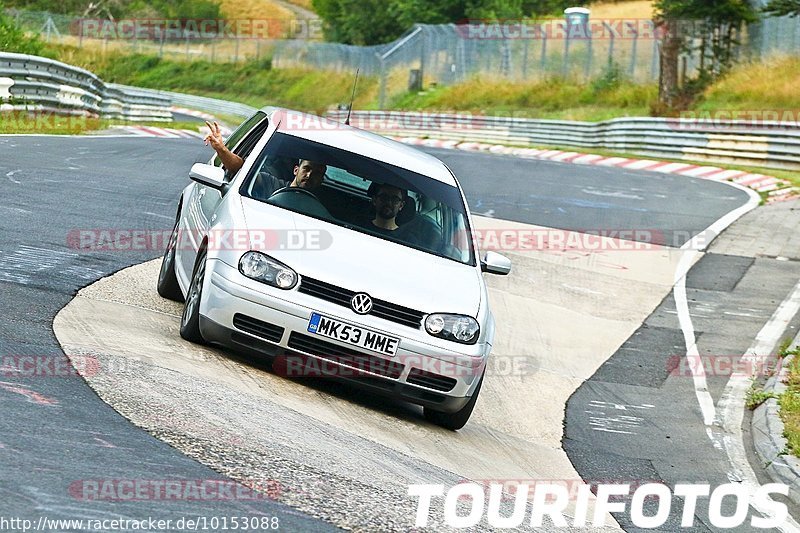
(430, 380)
(344, 356)
(380, 308)
(256, 327)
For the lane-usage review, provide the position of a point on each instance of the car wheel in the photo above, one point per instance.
(457, 420)
(167, 280)
(190, 320)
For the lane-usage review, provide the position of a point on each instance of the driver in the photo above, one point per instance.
(307, 174)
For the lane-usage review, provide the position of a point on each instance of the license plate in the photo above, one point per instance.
(355, 335)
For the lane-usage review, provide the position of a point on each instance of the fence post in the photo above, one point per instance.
(611, 44)
(589, 53)
(543, 60)
(382, 91)
(654, 64)
(525, 45)
(422, 50)
(565, 67)
(634, 50)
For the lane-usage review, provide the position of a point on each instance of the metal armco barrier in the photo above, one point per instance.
(200, 103)
(765, 144)
(37, 83)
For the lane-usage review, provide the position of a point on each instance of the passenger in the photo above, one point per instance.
(230, 161)
(388, 201)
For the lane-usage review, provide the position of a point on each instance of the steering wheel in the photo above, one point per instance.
(301, 200)
(295, 189)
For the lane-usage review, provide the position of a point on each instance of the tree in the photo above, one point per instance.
(780, 8)
(13, 39)
(716, 24)
(366, 22)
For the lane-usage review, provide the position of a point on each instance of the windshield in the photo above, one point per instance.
(361, 194)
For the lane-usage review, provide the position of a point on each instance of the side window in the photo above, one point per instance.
(240, 132)
(246, 146)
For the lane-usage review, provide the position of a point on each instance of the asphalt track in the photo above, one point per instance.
(54, 432)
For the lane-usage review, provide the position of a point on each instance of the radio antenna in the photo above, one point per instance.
(352, 97)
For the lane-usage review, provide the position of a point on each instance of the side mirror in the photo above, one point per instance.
(494, 263)
(208, 175)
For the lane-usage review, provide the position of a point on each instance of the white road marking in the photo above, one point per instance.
(609, 420)
(16, 209)
(10, 176)
(613, 194)
(157, 215)
(725, 434)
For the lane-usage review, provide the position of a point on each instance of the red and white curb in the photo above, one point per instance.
(168, 133)
(775, 188)
(193, 113)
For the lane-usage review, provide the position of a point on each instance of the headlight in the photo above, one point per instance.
(458, 328)
(262, 268)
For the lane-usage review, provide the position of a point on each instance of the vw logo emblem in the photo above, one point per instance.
(361, 303)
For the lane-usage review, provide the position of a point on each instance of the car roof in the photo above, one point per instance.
(352, 139)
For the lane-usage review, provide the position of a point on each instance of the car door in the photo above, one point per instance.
(204, 200)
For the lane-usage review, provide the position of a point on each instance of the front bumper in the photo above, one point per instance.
(282, 317)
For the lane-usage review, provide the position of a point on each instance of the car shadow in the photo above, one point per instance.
(333, 386)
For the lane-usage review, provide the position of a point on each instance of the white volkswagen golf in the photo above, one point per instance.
(340, 253)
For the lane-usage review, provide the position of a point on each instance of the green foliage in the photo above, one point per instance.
(13, 39)
(254, 82)
(756, 395)
(181, 9)
(366, 22)
(609, 97)
(779, 8)
(789, 403)
(790, 414)
(708, 29)
(611, 79)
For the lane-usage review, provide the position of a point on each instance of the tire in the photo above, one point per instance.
(190, 320)
(167, 280)
(457, 420)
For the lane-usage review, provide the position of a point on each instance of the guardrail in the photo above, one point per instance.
(767, 144)
(38, 83)
(200, 103)
(32, 82)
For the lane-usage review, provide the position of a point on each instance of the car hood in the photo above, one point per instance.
(363, 263)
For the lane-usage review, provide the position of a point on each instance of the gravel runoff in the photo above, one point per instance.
(253, 440)
(213, 425)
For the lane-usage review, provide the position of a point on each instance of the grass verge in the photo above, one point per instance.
(254, 82)
(555, 98)
(52, 124)
(789, 403)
